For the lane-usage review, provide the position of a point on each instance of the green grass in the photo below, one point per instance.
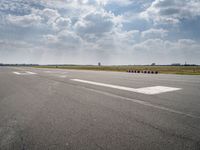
(182, 70)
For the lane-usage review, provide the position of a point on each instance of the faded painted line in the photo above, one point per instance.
(146, 104)
(47, 71)
(147, 90)
(24, 73)
(62, 76)
(17, 73)
(56, 72)
(29, 72)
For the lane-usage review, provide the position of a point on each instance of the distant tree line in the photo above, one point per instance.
(175, 64)
(178, 64)
(1, 64)
(56, 65)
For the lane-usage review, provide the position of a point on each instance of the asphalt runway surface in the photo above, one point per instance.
(50, 109)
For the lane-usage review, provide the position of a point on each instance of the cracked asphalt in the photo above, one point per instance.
(49, 111)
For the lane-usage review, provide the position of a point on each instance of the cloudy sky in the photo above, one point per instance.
(107, 31)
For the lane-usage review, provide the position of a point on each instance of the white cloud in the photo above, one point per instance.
(24, 21)
(49, 14)
(154, 33)
(88, 30)
(64, 40)
(69, 37)
(172, 11)
(46, 17)
(120, 2)
(95, 23)
(186, 42)
(63, 22)
(53, 18)
(16, 6)
(50, 39)
(16, 43)
(167, 52)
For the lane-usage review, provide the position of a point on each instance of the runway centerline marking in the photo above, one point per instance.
(146, 90)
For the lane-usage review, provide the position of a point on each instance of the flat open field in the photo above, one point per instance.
(184, 70)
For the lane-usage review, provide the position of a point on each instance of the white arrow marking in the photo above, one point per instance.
(147, 90)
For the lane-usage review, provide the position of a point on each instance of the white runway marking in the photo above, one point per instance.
(57, 73)
(30, 72)
(24, 73)
(147, 90)
(156, 89)
(17, 73)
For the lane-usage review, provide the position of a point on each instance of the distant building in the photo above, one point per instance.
(153, 64)
(99, 64)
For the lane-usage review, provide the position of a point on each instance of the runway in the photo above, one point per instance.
(75, 109)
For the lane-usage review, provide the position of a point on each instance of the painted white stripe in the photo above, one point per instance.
(147, 90)
(156, 90)
(25, 73)
(29, 72)
(17, 73)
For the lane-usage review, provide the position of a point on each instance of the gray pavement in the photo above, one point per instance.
(45, 109)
